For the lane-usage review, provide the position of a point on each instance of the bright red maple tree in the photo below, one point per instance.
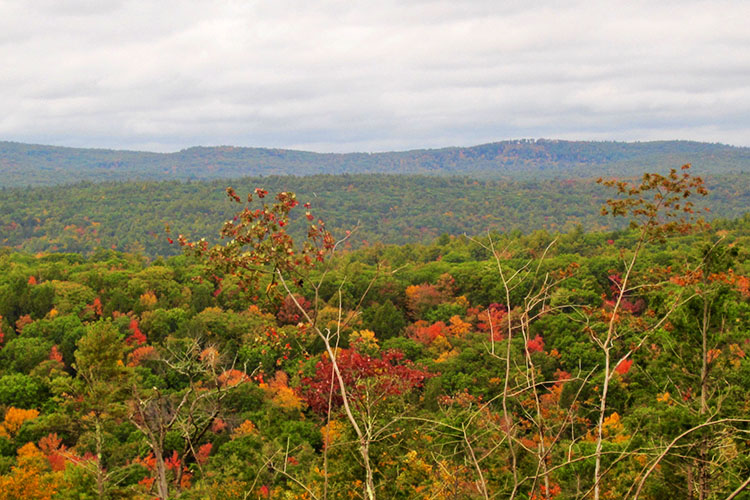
(365, 377)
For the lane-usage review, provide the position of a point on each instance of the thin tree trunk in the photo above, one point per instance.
(703, 472)
(607, 347)
(507, 420)
(162, 486)
(369, 483)
(600, 424)
(364, 441)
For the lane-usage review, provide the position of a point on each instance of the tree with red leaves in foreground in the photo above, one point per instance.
(258, 247)
(369, 380)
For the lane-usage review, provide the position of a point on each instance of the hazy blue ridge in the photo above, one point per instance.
(39, 165)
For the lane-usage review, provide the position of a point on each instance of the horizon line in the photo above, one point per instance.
(267, 148)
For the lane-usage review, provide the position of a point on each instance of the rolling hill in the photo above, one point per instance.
(396, 209)
(38, 165)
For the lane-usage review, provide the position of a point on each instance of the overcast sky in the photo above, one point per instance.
(371, 76)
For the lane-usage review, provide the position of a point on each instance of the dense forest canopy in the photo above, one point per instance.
(528, 365)
(38, 165)
(389, 208)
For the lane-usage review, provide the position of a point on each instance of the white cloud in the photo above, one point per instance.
(354, 75)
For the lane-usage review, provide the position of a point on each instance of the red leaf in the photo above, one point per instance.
(535, 345)
(623, 366)
(202, 456)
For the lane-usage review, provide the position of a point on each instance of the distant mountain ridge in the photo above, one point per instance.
(40, 165)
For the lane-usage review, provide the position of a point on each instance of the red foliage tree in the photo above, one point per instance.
(97, 306)
(203, 452)
(289, 313)
(365, 377)
(55, 355)
(491, 319)
(424, 333)
(53, 449)
(420, 298)
(535, 345)
(136, 337)
(636, 306)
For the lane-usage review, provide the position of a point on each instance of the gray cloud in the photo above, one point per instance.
(353, 75)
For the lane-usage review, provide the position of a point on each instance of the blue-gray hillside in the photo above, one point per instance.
(38, 165)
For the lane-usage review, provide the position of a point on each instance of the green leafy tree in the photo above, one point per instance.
(385, 319)
(102, 385)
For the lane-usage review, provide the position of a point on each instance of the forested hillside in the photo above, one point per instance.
(585, 365)
(36, 165)
(390, 209)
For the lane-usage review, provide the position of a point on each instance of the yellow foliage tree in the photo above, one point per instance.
(332, 432)
(458, 327)
(148, 299)
(244, 429)
(283, 395)
(365, 340)
(30, 478)
(15, 418)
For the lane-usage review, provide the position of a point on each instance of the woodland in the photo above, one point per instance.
(390, 209)
(33, 165)
(280, 355)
